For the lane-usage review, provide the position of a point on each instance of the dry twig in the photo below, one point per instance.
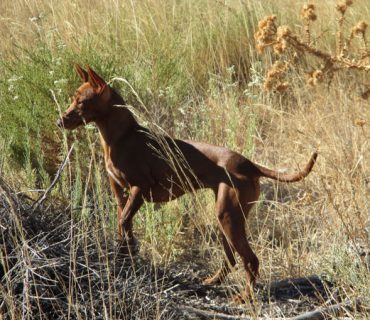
(42, 198)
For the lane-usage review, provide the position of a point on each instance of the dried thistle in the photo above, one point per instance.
(366, 94)
(360, 28)
(308, 12)
(280, 47)
(360, 122)
(281, 43)
(342, 7)
(283, 32)
(275, 77)
(315, 77)
(282, 38)
(266, 33)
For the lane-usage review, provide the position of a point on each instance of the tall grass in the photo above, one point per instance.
(190, 67)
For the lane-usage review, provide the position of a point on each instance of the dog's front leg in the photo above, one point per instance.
(133, 204)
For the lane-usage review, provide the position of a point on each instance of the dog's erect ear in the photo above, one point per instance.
(82, 73)
(95, 80)
(99, 84)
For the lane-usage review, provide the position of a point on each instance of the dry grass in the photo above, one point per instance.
(192, 69)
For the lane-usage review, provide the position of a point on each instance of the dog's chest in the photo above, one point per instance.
(116, 175)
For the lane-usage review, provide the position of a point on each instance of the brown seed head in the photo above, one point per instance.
(310, 81)
(315, 77)
(308, 12)
(266, 33)
(366, 94)
(280, 46)
(342, 7)
(281, 87)
(360, 28)
(275, 76)
(283, 31)
(281, 43)
(360, 122)
(266, 21)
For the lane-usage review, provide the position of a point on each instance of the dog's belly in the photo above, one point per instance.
(159, 194)
(169, 191)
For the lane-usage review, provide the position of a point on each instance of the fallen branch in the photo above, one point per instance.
(297, 287)
(41, 199)
(211, 315)
(324, 312)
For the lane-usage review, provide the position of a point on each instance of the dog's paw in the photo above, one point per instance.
(211, 281)
(247, 297)
(129, 247)
(238, 299)
(216, 279)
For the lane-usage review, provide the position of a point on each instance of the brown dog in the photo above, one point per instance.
(158, 169)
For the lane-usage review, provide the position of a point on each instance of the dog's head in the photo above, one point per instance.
(90, 101)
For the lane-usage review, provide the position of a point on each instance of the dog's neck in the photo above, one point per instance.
(117, 123)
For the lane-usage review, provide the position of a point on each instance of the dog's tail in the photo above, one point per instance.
(287, 177)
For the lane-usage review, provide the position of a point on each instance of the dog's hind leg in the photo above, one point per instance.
(233, 227)
(228, 263)
(231, 215)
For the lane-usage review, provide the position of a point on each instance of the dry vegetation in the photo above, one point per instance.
(274, 90)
